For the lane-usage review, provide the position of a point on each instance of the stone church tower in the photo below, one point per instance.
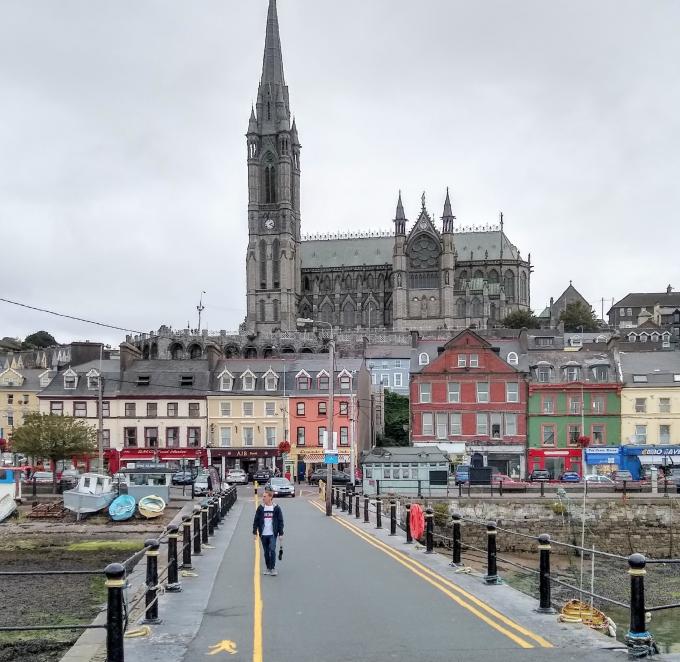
(273, 264)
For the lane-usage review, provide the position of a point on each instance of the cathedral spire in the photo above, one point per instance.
(448, 218)
(400, 218)
(272, 64)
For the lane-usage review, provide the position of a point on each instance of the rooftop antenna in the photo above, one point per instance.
(200, 308)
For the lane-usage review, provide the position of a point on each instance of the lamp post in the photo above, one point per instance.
(301, 321)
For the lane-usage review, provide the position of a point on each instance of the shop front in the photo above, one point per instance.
(637, 459)
(602, 460)
(309, 460)
(247, 459)
(175, 458)
(508, 459)
(555, 460)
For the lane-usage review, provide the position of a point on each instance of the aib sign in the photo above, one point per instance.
(668, 450)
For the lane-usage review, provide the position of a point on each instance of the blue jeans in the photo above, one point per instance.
(269, 547)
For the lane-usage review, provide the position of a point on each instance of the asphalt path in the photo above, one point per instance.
(341, 595)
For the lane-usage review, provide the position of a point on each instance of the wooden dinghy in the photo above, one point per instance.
(151, 506)
(576, 611)
(122, 508)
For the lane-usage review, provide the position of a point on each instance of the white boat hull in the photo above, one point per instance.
(83, 503)
(7, 506)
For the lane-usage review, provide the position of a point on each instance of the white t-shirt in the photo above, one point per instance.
(268, 529)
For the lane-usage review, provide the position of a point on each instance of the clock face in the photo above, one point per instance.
(269, 224)
(423, 224)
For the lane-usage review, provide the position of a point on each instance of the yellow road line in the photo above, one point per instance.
(449, 589)
(257, 603)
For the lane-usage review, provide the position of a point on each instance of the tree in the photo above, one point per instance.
(54, 438)
(519, 319)
(39, 340)
(396, 417)
(576, 315)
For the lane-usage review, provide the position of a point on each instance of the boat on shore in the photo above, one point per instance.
(93, 493)
(7, 506)
(151, 506)
(122, 508)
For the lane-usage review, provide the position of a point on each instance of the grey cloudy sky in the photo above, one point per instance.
(122, 151)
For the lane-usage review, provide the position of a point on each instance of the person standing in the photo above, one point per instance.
(268, 523)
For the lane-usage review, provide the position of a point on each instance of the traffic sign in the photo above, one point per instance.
(330, 457)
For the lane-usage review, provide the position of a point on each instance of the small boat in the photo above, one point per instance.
(122, 508)
(151, 506)
(576, 611)
(93, 493)
(7, 506)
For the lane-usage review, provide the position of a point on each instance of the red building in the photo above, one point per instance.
(470, 399)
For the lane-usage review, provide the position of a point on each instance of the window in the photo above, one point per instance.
(152, 409)
(130, 409)
(270, 409)
(454, 424)
(543, 374)
(45, 380)
(194, 409)
(442, 427)
(512, 392)
(571, 373)
(664, 405)
(303, 383)
(106, 408)
(225, 437)
(676, 378)
(300, 408)
(70, 382)
(186, 380)
(573, 433)
(80, 409)
(270, 436)
(462, 360)
(172, 437)
(428, 423)
(423, 359)
(454, 392)
(496, 420)
(474, 360)
(597, 435)
(384, 363)
(93, 382)
(225, 408)
(346, 382)
(323, 382)
(511, 424)
(10, 419)
(513, 359)
(344, 435)
(226, 383)
(597, 404)
(344, 408)
(601, 373)
(640, 405)
(548, 404)
(193, 437)
(397, 363)
(545, 341)
(321, 435)
(641, 434)
(548, 435)
(270, 383)
(323, 408)
(248, 382)
(482, 391)
(640, 379)
(248, 408)
(143, 380)
(374, 379)
(629, 312)
(664, 434)
(575, 405)
(106, 438)
(482, 424)
(425, 393)
(151, 437)
(385, 380)
(130, 437)
(10, 398)
(173, 409)
(398, 377)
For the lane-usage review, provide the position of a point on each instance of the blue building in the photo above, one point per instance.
(390, 366)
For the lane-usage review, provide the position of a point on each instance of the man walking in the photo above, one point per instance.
(268, 523)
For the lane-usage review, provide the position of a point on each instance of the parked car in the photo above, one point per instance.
(462, 474)
(281, 487)
(624, 479)
(42, 477)
(339, 477)
(201, 486)
(182, 478)
(262, 475)
(622, 475)
(570, 477)
(68, 480)
(599, 481)
(539, 474)
(236, 477)
(507, 481)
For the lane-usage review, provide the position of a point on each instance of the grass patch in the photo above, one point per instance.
(105, 546)
(42, 618)
(98, 590)
(20, 545)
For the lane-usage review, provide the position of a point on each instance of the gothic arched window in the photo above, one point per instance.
(269, 180)
(261, 312)
(509, 284)
(262, 259)
(477, 307)
(349, 315)
(276, 262)
(478, 274)
(423, 253)
(326, 312)
(493, 276)
(195, 352)
(176, 351)
(275, 310)
(523, 287)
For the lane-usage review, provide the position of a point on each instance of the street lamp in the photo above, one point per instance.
(302, 321)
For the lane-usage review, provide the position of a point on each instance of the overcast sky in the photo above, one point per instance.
(123, 185)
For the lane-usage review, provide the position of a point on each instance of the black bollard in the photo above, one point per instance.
(343, 503)
(500, 488)
(491, 568)
(409, 536)
(211, 518)
(197, 530)
(186, 542)
(393, 517)
(638, 634)
(542, 488)
(204, 523)
(378, 514)
(544, 605)
(173, 585)
(357, 514)
(366, 510)
(460, 490)
(151, 616)
(115, 623)
(456, 544)
(468, 486)
(429, 530)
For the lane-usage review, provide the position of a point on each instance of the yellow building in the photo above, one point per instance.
(19, 388)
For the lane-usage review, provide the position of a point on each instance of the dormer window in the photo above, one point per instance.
(186, 380)
(513, 359)
(423, 359)
(600, 373)
(322, 381)
(543, 374)
(571, 373)
(93, 382)
(45, 379)
(70, 380)
(226, 380)
(644, 337)
(271, 380)
(302, 381)
(248, 382)
(345, 380)
(145, 380)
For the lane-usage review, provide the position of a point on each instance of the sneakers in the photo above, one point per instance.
(267, 572)
(274, 572)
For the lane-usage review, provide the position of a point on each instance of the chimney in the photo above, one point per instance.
(414, 338)
(523, 339)
(128, 355)
(669, 289)
(440, 351)
(214, 355)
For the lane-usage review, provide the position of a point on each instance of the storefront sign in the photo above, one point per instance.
(661, 450)
(245, 453)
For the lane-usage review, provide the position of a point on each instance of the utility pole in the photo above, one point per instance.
(329, 434)
(100, 431)
(200, 308)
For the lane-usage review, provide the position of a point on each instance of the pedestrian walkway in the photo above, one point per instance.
(345, 593)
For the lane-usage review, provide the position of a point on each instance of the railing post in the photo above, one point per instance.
(638, 634)
(456, 545)
(151, 602)
(429, 530)
(420, 490)
(544, 605)
(393, 516)
(491, 568)
(378, 514)
(460, 490)
(357, 514)
(366, 501)
(186, 542)
(211, 517)
(500, 488)
(173, 585)
(204, 523)
(409, 536)
(344, 501)
(469, 486)
(542, 488)
(197, 530)
(115, 582)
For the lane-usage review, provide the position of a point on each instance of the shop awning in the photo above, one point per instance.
(314, 457)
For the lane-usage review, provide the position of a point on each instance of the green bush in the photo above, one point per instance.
(441, 514)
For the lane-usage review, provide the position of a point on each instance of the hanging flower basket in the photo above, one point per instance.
(583, 441)
(284, 447)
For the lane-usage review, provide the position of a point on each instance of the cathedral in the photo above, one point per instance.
(426, 275)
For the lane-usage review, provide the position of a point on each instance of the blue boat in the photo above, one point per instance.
(122, 508)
